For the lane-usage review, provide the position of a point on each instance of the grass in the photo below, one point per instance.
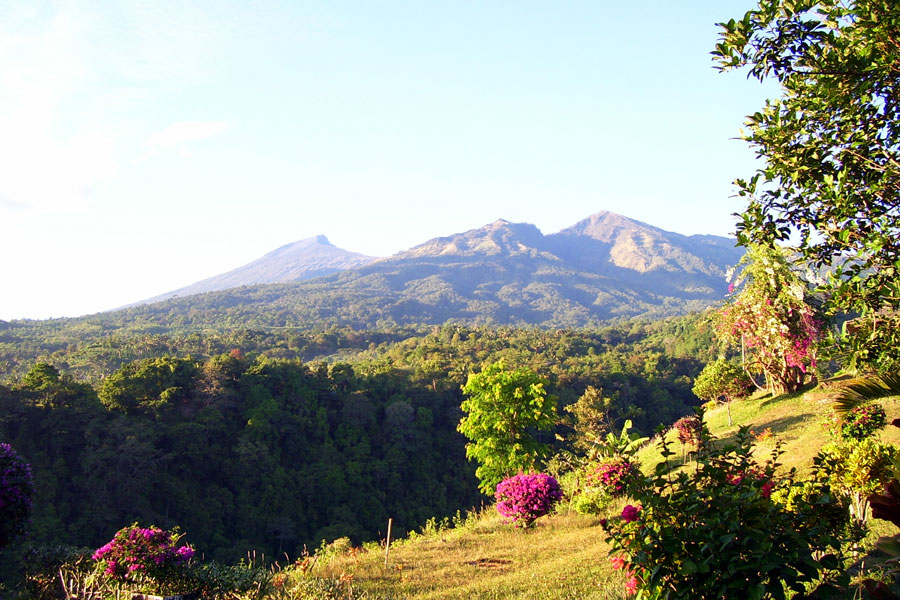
(561, 557)
(564, 556)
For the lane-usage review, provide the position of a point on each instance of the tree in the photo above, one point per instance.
(592, 418)
(770, 320)
(831, 146)
(722, 380)
(503, 411)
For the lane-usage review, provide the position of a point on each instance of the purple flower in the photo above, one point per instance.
(630, 513)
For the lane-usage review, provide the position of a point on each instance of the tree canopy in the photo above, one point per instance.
(831, 153)
(503, 410)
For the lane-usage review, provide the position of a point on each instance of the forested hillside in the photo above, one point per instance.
(252, 448)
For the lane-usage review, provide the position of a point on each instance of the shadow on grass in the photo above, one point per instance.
(769, 399)
(778, 426)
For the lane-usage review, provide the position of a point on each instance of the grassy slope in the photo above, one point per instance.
(564, 556)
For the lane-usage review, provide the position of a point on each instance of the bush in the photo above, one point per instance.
(713, 531)
(863, 421)
(526, 498)
(688, 429)
(16, 493)
(145, 557)
(615, 477)
(857, 469)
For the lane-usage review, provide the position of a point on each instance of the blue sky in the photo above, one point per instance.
(146, 145)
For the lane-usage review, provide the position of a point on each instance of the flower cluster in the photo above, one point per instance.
(863, 421)
(16, 492)
(614, 476)
(525, 498)
(688, 429)
(136, 552)
(755, 476)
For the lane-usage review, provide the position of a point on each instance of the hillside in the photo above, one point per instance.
(565, 556)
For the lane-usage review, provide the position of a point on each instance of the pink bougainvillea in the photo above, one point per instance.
(142, 551)
(525, 498)
(771, 320)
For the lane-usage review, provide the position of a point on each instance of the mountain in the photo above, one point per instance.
(604, 267)
(306, 259)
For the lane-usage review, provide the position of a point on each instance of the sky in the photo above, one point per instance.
(148, 144)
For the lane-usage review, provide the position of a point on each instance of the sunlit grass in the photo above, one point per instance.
(561, 557)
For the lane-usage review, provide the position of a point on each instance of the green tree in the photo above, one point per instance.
(504, 410)
(592, 418)
(771, 321)
(831, 151)
(722, 380)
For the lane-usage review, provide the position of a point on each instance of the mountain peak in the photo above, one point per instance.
(304, 259)
(501, 237)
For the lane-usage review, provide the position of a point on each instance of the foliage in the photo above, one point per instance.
(857, 469)
(714, 531)
(145, 557)
(615, 473)
(504, 410)
(16, 492)
(863, 421)
(689, 430)
(525, 498)
(832, 161)
(721, 379)
(621, 446)
(770, 320)
(615, 476)
(860, 391)
(592, 416)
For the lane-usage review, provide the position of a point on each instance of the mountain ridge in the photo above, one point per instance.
(603, 268)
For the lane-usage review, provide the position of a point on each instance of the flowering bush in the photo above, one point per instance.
(714, 531)
(771, 319)
(525, 498)
(863, 421)
(16, 492)
(144, 555)
(688, 429)
(615, 477)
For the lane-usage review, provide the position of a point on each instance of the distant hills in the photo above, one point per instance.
(604, 267)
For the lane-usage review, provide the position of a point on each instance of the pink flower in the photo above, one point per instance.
(631, 585)
(618, 561)
(630, 513)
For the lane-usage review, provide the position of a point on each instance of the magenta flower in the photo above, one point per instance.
(525, 498)
(630, 513)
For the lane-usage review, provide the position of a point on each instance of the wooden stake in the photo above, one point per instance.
(387, 545)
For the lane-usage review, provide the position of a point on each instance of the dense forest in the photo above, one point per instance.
(247, 443)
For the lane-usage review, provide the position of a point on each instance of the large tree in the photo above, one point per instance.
(504, 410)
(831, 153)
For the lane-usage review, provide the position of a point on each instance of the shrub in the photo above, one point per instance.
(16, 493)
(145, 557)
(713, 531)
(863, 421)
(526, 498)
(688, 429)
(857, 469)
(615, 477)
